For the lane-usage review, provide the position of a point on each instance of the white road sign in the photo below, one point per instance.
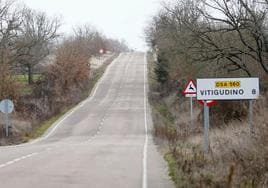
(190, 88)
(228, 88)
(6, 106)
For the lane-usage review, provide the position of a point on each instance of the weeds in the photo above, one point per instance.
(236, 158)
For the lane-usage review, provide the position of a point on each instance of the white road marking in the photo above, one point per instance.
(17, 160)
(9, 162)
(145, 148)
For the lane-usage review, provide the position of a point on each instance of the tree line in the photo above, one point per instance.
(29, 38)
(200, 39)
(208, 38)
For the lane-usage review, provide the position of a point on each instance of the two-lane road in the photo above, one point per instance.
(105, 142)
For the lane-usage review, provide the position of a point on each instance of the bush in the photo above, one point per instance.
(67, 77)
(226, 111)
(9, 87)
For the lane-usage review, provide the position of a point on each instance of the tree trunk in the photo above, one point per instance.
(30, 74)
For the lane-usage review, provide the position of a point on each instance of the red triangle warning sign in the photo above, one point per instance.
(190, 88)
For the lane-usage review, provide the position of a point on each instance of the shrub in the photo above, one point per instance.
(9, 87)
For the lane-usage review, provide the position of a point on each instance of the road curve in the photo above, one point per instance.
(105, 142)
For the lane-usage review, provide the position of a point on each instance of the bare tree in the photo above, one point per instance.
(95, 40)
(230, 34)
(38, 32)
(115, 45)
(172, 38)
(242, 24)
(91, 37)
(10, 21)
(66, 79)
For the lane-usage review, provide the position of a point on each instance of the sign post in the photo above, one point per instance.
(190, 91)
(191, 108)
(6, 120)
(7, 106)
(226, 89)
(206, 127)
(251, 116)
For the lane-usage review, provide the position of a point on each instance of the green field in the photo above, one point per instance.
(23, 78)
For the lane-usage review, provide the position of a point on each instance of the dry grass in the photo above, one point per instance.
(237, 158)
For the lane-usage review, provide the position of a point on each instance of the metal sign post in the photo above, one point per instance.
(191, 106)
(6, 117)
(190, 91)
(6, 106)
(206, 127)
(251, 117)
(7, 124)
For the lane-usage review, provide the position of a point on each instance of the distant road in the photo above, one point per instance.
(96, 62)
(105, 142)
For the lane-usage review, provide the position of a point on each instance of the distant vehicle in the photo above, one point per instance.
(101, 51)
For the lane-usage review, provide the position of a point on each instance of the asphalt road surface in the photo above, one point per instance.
(105, 142)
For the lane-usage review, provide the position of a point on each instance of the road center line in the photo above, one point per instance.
(17, 160)
(101, 123)
(145, 148)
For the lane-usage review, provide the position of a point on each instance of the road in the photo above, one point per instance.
(105, 142)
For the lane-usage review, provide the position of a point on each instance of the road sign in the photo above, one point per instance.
(227, 88)
(6, 106)
(208, 103)
(190, 88)
(190, 92)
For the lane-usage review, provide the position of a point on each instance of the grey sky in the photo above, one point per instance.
(115, 18)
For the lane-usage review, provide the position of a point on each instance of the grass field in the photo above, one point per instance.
(23, 78)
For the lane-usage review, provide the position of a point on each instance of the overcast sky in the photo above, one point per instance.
(124, 19)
